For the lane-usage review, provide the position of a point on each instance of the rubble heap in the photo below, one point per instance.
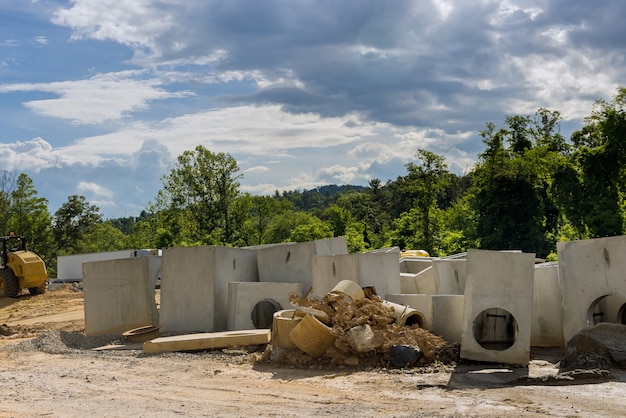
(364, 332)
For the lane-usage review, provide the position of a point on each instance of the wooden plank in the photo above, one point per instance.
(209, 340)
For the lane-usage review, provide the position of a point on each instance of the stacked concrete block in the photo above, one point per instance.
(590, 270)
(244, 297)
(498, 307)
(547, 319)
(375, 268)
(119, 294)
(292, 262)
(194, 288)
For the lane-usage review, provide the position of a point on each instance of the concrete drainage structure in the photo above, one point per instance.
(594, 290)
(496, 304)
(498, 307)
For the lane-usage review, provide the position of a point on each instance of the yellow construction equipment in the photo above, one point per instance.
(20, 268)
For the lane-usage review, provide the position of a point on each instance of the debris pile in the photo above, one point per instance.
(600, 347)
(357, 329)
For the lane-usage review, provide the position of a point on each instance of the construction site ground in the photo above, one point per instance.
(48, 368)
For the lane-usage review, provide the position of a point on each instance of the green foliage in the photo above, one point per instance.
(312, 230)
(72, 221)
(203, 185)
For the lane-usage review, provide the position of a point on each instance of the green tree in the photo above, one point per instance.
(7, 185)
(205, 186)
(427, 181)
(103, 237)
(513, 190)
(596, 186)
(312, 229)
(72, 221)
(29, 216)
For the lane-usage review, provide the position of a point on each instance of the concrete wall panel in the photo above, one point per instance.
(448, 319)
(188, 289)
(499, 288)
(292, 262)
(119, 294)
(449, 276)
(242, 297)
(230, 265)
(69, 267)
(329, 270)
(415, 264)
(589, 270)
(381, 269)
(547, 319)
(425, 281)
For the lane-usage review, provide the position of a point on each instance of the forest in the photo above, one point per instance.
(529, 189)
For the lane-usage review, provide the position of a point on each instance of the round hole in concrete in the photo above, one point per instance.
(608, 308)
(495, 329)
(263, 313)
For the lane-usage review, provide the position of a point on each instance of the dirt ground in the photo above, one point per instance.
(48, 367)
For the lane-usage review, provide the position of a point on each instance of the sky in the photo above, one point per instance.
(99, 97)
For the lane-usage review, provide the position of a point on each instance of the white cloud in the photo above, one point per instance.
(102, 98)
(256, 169)
(32, 155)
(94, 188)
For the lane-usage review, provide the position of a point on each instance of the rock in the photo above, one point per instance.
(404, 355)
(600, 347)
(362, 339)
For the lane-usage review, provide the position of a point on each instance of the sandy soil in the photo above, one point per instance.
(49, 368)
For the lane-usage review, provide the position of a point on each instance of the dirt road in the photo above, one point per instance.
(48, 369)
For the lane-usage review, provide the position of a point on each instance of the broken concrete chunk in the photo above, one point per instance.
(362, 339)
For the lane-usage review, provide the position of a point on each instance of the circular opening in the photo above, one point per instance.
(608, 308)
(263, 313)
(415, 318)
(495, 329)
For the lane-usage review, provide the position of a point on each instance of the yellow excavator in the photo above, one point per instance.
(20, 268)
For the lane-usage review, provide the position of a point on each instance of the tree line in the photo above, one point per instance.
(529, 189)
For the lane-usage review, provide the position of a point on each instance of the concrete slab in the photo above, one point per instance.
(425, 281)
(375, 268)
(292, 262)
(590, 270)
(119, 294)
(70, 267)
(188, 290)
(448, 319)
(498, 307)
(207, 341)
(408, 284)
(231, 265)
(244, 296)
(449, 276)
(547, 319)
